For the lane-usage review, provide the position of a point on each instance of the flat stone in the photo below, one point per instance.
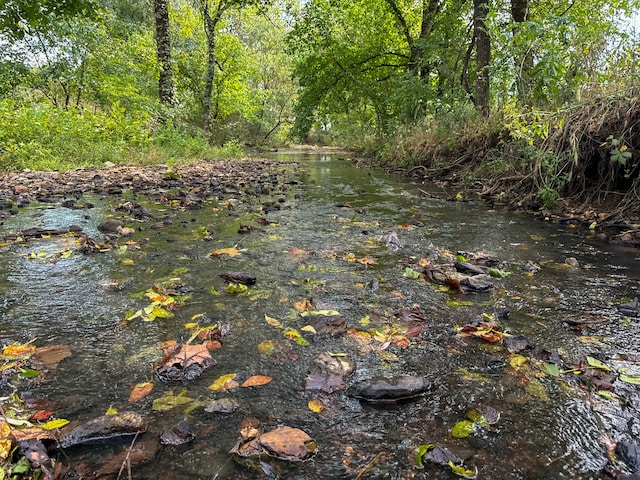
(105, 427)
(388, 390)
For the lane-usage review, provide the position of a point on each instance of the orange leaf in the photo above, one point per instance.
(256, 381)
(366, 261)
(316, 405)
(303, 305)
(140, 391)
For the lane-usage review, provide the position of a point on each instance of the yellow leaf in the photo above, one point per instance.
(350, 257)
(316, 405)
(53, 424)
(111, 411)
(230, 251)
(308, 328)
(19, 350)
(5, 448)
(517, 361)
(303, 305)
(191, 325)
(224, 383)
(256, 381)
(272, 321)
(128, 261)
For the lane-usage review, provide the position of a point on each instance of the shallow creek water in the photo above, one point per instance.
(303, 252)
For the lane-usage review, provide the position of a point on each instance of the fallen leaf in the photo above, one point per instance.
(170, 401)
(315, 405)
(53, 424)
(16, 350)
(140, 391)
(230, 251)
(303, 305)
(224, 383)
(256, 381)
(366, 261)
(272, 321)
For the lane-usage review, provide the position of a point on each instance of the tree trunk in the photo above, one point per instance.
(163, 43)
(430, 9)
(523, 57)
(210, 25)
(483, 54)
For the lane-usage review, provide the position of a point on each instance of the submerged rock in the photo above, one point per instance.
(388, 390)
(284, 443)
(106, 427)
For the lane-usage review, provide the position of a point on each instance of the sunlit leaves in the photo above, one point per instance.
(54, 424)
(224, 383)
(15, 350)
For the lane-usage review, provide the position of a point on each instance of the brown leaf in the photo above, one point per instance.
(256, 381)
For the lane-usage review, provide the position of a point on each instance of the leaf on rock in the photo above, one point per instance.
(185, 362)
(53, 424)
(421, 451)
(224, 383)
(256, 381)
(140, 391)
(463, 472)
(462, 429)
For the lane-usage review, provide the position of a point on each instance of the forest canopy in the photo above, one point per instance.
(84, 82)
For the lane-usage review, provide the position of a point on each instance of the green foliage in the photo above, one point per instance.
(619, 152)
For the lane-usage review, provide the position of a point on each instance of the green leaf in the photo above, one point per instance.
(326, 313)
(497, 273)
(421, 451)
(595, 363)
(411, 273)
(28, 373)
(634, 379)
(160, 312)
(552, 369)
(476, 417)
(22, 466)
(462, 429)
(463, 472)
(169, 401)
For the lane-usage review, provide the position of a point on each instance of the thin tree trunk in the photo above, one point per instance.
(523, 57)
(483, 55)
(163, 43)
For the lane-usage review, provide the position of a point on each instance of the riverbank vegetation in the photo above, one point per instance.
(511, 99)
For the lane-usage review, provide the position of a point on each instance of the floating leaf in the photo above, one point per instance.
(552, 369)
(463, 472)
(411, 273)
(160, 312)
(272, 321)
(140, 391)
(326, 313)
(28, 373)
(316, 405)
(294, 335)
(16, 350)
(230, 251)
(421, 451)
(595, 363)
(224, 383)
(53, 424)
(634, 379)
(111, 411)
(517, 361)
(462, 429)
(238, 288)
(497, 273)
(256, 381)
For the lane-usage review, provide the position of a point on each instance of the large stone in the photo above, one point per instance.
(388, 390)
(105, 427)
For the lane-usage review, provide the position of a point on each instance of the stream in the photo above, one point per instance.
(358, 243)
